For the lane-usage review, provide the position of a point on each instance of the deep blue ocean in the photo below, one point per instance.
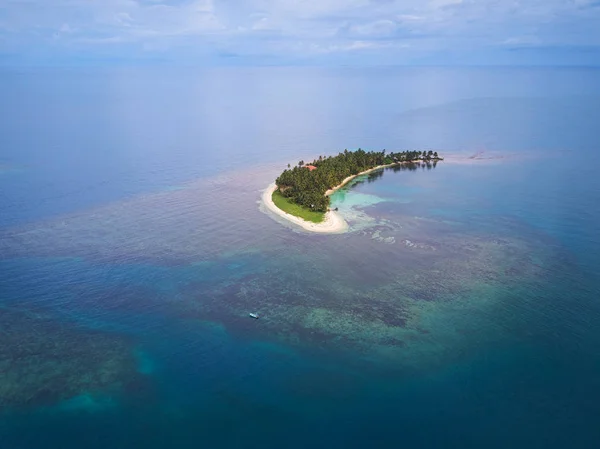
(461, 310)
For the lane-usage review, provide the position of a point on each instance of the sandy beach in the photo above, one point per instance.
(349, 178)
(333, 223)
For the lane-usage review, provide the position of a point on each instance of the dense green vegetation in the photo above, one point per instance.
(306, 187)
(286, 205)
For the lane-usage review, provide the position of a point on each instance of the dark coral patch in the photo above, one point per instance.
(43, 361)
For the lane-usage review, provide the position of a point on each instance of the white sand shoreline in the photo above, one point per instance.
(333, 223)
(351, 177)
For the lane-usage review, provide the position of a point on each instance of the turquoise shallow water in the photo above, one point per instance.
(459, 311)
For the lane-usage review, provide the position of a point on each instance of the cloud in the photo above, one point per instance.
(281, 29)
(66, 28)
(383, 27)
(522, 41)
(351, 46)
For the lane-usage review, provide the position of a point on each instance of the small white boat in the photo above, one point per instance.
(253, 315)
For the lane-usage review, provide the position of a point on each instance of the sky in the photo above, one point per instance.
(298, 32)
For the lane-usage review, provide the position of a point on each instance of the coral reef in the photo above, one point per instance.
(43, 361)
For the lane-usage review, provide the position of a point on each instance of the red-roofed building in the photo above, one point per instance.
(311, 167)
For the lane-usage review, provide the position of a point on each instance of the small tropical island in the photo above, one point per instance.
(301, 194)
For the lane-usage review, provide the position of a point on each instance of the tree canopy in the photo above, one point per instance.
(307, 187)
